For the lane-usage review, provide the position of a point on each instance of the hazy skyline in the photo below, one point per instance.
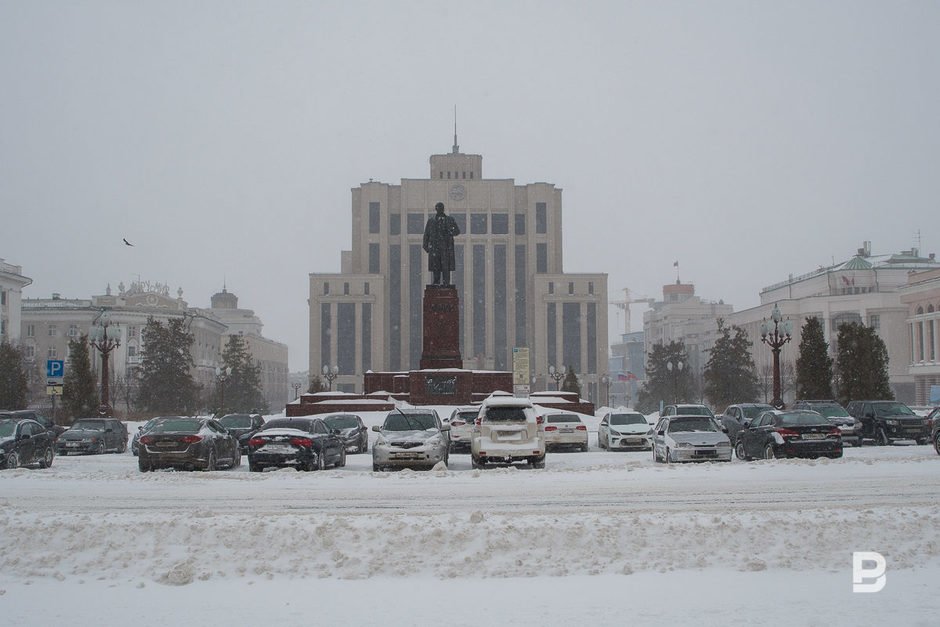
(222, 138)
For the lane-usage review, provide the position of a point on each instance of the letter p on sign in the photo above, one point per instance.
(868, 571)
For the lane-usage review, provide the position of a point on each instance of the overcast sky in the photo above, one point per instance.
(747, 140)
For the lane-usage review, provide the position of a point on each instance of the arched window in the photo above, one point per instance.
(930, 309)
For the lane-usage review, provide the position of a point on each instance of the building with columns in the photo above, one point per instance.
(509, 276)
(921, 296)
(12, 283)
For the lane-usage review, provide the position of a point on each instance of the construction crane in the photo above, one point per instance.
(624, 306)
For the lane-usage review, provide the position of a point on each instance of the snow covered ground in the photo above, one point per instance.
(600, 538)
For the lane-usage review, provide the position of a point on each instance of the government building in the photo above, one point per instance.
(509, 276)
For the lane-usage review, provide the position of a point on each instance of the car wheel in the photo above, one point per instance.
(475, 461)
(342, 458)
(364, 446)
(101, 448)
(254, 467)
(143, 465)
(46, 458)
(538, 463)
(883, 438)
(123, 448)
(936, 443)
(210, 463)
(655, 456)
(13, 461)
(769, 451)
(740, 452)
(668, 459)
(319, 462)
(835, 455)
(376, 468)
(584, 448)
(237, 458)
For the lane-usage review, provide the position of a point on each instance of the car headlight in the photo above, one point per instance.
(650, 432)
(682, 445)
(892, 422)
(434, 440)
(724, 445)
(380, 442)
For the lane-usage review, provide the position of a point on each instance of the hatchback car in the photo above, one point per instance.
(93, 435)
(143, 429)
(187, 444)
(242, 426)
(410, 438)
(691, 438)
(832, 411)
(794, 433)
(303, 443)
(351, 429)
(624, 429)
(461, 424)
(506, 432)
(25, 443)
(564, 430)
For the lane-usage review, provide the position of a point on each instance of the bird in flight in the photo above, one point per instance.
(127, 242)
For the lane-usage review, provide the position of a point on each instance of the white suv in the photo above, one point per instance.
(507, 431)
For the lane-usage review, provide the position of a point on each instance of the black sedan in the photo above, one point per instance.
(304, 443)
(351, 429)
(24, 443)
(23, 414)
(799, 433)
(187, 444)
(93, 435)
(242, 426)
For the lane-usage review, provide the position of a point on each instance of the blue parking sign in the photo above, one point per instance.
(55, 368)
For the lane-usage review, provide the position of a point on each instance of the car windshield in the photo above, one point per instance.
(341, 422)
(177, 426)
(691, 424)
(466, 416)
(7, 428)
(236, 421)
(563, 418)
(90, 425)
(831, 411)
(695, 410)
(800, 418)
(627, 419)
(505, 414)
(753, 411)
(286, 423)
(409, 422)
(892, 409)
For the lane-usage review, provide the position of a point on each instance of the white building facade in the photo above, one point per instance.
(12, 283)
(921, 295)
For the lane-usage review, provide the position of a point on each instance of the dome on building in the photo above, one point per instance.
(224, 300)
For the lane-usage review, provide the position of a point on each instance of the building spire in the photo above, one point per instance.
(456, 147)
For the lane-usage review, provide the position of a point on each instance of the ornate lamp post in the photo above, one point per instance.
(104, 344)
(296, 387)
(557, 375)
(605, 380)
(775, 339)
(675, 367)
(222, 374)
(331, 372)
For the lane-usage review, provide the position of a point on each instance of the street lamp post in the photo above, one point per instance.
(222, 374)
(105, 345)
(605, 379)
(296, 387)
(330, 372)
(557, 375)
(775, 338)
(675, 367)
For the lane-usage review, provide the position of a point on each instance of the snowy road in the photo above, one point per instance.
(612, 519)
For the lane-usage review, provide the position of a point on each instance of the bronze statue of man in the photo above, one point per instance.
(439, 235)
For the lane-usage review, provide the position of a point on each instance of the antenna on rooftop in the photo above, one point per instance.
(456, 147)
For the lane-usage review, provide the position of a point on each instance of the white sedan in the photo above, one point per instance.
(564, 430)
(623, 430)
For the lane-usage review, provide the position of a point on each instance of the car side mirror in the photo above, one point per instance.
(445, 428)
(336, 432)
(377, 428)
(140, 428)
(746, 424)
(660, 433)
(25, 436)
(724, 429)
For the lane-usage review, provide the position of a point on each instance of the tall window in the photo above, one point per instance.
(373, 258)
(73, 330)
(478, 223)
(415, 223)
(541, 258)
(394, 224)
(30, 351)
(53, 352)
(374, 217)
(53, 331)
(520, 224)
(30, 330)
(500, 223)
(541, 218)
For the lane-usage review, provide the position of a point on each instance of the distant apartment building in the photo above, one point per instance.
(921, 296)
(866, 289)
(49, 323)
(12, 283)
(509, 276)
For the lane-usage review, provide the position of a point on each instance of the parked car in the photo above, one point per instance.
(93, 436)
(690, 438)
(623, 429)
(303, 443)
(242, 426)
(461, 423)
(687, 409)
(935, 436)
(793, 433)
(832, 411)
(410, 438)
(28, 414)
(736, 416)
(186, 444)
(351, 429)
(507, 431)
(889, 421)
(25, 442)
(564, 430)
(144, 428)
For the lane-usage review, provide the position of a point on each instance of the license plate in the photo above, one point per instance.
(73, 444)
(166, 444)
(405, 456)
(277, 448)
(814, 436)
(566, 430)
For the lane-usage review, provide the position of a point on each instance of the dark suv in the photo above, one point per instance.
(887, 421)
(832, 411)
